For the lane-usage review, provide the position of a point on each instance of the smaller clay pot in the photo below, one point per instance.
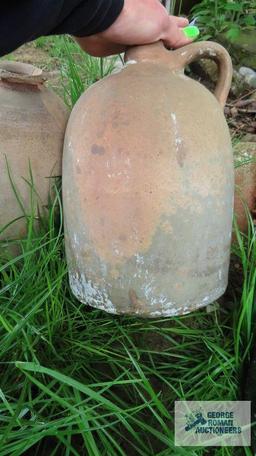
(245, 180)
(32, 126)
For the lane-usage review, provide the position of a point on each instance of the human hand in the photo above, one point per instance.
(140, 22)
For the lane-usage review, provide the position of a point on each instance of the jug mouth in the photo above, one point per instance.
(19, 72)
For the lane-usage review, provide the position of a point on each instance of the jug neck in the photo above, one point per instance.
(153, 53)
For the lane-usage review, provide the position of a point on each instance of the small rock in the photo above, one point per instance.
(244, 71)
(239, 85)
(249, 76)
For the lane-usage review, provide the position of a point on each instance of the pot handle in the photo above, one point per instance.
(213, 51)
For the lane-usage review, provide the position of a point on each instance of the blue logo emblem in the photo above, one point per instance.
(194, 419)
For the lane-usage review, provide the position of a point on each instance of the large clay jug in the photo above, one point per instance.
(32, 126)
(148, 186)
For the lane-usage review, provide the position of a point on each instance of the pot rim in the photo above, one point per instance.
(19, 72)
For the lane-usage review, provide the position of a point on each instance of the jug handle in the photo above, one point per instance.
(213, 51)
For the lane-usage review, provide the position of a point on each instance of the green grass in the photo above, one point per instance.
(78, 69)
(77, 381)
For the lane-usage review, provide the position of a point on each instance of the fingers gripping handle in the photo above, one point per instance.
(213, 51)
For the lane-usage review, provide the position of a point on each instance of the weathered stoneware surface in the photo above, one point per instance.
(245, 180)
(32, 127)
(148, 186)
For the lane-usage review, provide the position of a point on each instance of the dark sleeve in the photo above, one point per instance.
(25, 20)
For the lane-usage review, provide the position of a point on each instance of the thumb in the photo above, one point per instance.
(175, 37)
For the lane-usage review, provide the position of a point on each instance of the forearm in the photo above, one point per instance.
(99, 47)
(140, 22)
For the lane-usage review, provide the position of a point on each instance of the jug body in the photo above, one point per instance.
(32, 127)
(148, 191)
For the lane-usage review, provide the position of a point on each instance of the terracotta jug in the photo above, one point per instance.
(32, 126)
(245, 180)
(148, 186)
